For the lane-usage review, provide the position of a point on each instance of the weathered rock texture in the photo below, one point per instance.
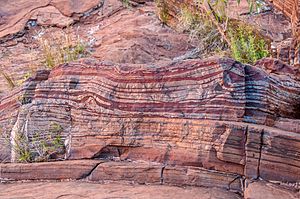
(216, 120)
(264, 190)
(208, 123)
(48, 170)
(79, 190)
(291, 9)
(14, 14)
(112, 32)
(277, 22)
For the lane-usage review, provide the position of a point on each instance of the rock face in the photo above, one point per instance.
(277, 21)
(48, 170)
(15, 14)
(142, 114)
(216, 119)
(114, 34)
(292, 10)
(78, 190)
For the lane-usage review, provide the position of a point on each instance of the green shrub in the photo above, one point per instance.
(38, 148)
(44, 146)
(126, 3)
(163, 11)
(22, 148)
(246, 45)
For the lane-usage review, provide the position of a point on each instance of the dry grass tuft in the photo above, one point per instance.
(11, 83)
(62, 49)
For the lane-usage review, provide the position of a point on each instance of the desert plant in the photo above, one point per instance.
(162, 11)
(62, 49)
(246, 45)
(19, 144)
(38, 147)
(201, 31)
(216, 12)
(215, 33)
(22, 148)
(24, 78)
(11, 83)
(46, 145)
(126, 3)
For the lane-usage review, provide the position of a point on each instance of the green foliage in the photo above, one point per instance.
(126, 3)
(40, 147)
(215, 33)
(47, 145)
(163, 11)
(188, 20)
(55, 128)
(201, 31)
(62, 49)
(25, 77)
(21, 145)
(246, 45)
(22, 149)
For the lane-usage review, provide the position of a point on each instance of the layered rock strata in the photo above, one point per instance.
(213, 119)
(110, 32)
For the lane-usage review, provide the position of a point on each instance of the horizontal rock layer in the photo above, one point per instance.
(142, 173)
(215, 114)
(124, 171)
(76, 190)
(48, 170)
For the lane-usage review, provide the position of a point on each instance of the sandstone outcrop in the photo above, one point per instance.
(202, 123)
(48, 170)
(112, 32)
(138, 112)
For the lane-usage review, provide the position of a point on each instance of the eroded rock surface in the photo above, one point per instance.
(263, 190)
(114, 33)
(77, 190)
(14, 14)
(213, 118)
(139, 114)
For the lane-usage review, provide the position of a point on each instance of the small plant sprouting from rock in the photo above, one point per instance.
(201, 31)
(41, 147)
(48, 146)
(126, 3)
(162, 11)
(62, 49)
(20, 146)
(215, 33)
(25, 77)
(246, 46)
(11, 83)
